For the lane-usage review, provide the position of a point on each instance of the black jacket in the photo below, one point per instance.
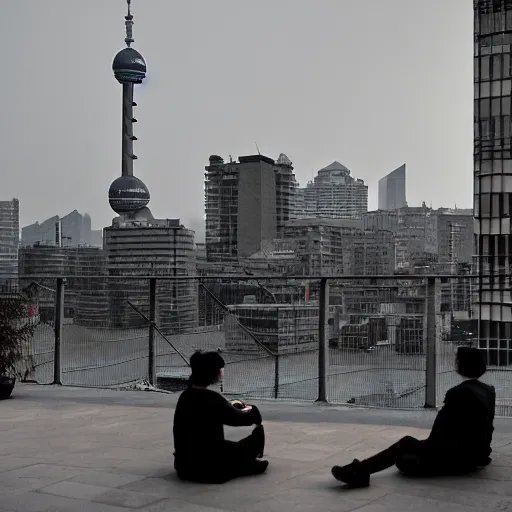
(199, 421)
(463, 428)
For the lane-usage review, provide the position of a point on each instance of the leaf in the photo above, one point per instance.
(16, 332)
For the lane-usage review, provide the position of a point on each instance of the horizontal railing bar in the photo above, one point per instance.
(273, 277)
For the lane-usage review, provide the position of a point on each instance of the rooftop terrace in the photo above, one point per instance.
(92, 450)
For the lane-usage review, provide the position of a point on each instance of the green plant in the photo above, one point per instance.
(16, 331)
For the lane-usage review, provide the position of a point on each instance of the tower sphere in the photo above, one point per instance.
(129, 66)
(127, 194)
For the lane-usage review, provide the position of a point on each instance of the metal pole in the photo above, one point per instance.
(152, 320)
(433, 310)
(276, 376)
(59, 318)
(323, 342)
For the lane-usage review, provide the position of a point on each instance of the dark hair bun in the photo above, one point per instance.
(205, 367)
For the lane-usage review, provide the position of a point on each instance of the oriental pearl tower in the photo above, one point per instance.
(128, 196)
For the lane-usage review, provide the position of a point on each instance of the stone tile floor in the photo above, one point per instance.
(68, 449)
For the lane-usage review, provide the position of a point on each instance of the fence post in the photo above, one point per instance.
(59, 318)
(433, 310)
(276, 375)
(323, 342)
(152, 320)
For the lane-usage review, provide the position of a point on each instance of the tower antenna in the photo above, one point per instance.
(129, 24)
(257, 148)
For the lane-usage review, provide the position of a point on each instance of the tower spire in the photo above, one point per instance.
(129, 24)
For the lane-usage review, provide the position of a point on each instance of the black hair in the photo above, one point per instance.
(470, 362)
(205, 368)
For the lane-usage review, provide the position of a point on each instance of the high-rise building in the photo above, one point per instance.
(455, 242)
(72, 230)
(335, 194)
(246, 203)
(415, 232)
(392, 190)
(9, 237)
(84, 268)
(137, 244)
(493, 176)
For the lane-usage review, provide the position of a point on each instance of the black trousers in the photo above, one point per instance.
(234, 459)
(416, 458)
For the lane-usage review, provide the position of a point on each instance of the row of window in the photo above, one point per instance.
(493, 89)
(493, 16)
(497, 127)
(486, 108)
(495, 245)
(493, 67)
(493, 205)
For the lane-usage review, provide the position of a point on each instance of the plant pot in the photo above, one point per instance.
(6, 387)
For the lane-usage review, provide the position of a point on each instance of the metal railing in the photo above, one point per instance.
(379, 341)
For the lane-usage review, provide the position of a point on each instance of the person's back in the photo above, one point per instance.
(463, 428)
(198, 430)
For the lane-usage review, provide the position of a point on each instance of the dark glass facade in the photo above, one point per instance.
(493, 176)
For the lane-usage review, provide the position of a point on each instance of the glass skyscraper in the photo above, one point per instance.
(493, 176)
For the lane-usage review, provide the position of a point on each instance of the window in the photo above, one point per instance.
(495, 87)
(495, 107)
(506, 87)
(505, 105)
(506, 127)
(495, 204)
(485, 109)
(506, 65)
(485, 205)
(485, 67)
(496, 66)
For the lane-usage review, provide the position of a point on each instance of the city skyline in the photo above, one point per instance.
(382, 101)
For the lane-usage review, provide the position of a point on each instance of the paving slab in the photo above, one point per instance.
(70, 450)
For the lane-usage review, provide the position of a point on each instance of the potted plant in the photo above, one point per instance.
(16, 331)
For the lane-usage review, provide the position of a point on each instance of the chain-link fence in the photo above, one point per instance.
(377, 342)
(389, 341)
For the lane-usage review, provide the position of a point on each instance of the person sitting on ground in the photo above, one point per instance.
(460, 440)
(202, 454)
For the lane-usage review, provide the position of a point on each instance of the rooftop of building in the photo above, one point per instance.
(398, 172)
(335, 166)
(111, 451)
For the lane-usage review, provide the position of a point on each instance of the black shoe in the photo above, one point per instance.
(260, 466)
(353, 475)
(259, 440)
(254, 467)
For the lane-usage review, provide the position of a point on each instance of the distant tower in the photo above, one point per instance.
(127, 194)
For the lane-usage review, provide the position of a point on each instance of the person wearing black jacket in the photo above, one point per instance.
(202, 454)
(460, 439)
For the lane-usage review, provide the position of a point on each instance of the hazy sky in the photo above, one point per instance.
(371, 83)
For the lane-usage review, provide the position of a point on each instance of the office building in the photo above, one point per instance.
(455, 237)
(246, 203)
(415, 232)
(9, 237)
(161, 247)
(493, 176)
(392, 190)
(282, 328)
(335, 194)
(319, 244)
